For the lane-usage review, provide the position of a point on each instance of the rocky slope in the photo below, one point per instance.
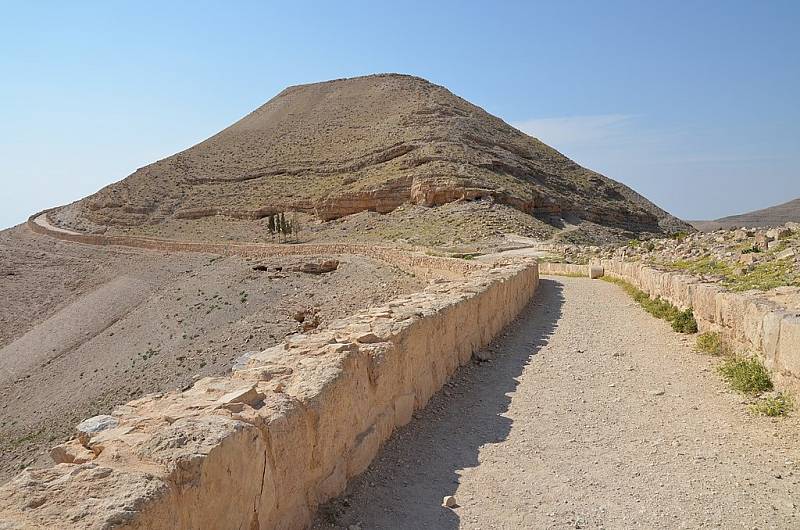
(85, 328)
(772, 216)
(758, 259)
(372, 143)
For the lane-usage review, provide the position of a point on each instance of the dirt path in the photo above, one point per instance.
(592, 415)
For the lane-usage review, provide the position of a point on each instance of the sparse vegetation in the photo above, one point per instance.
(682, 321)
(151, 352)
(649, 246)
(766, 276)
(746, 374)
(773, 406)
(762, 277)
(706, 265)
(711, 343)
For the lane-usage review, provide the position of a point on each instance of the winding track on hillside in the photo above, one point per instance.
(592, 415)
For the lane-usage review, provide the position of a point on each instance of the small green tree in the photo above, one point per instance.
(282, 225)
(271, 226)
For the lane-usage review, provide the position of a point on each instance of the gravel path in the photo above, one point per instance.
(592, 415)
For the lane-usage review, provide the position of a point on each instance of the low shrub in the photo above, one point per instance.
(711, 343)
(778, 405)
(766, 276)
(684, 322)
(746, 374)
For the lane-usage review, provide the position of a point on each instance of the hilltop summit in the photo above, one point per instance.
(370, 143)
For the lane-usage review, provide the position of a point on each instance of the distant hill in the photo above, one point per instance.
(373, 143)
(772, 216)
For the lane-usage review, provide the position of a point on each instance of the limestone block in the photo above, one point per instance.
(771, 329)
(753, 331)
(704, 302)
(788, 356)
(596, 271)
(368, 442)
(93, 425)
(247, 395)
(71, 452)
(403, 409)
(334, 484)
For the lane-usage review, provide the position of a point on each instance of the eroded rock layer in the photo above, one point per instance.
(370, 143)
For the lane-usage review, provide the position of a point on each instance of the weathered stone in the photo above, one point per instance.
(403, 409)
(762, 241)
(368, 338)
(785, 254)
(321, 267)
(449, 502)
(778, 233)
(71, 452)
(247, 395)
(94, 425)
(748, 259)
(596, 271)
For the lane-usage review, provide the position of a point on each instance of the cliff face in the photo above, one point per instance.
(370, 143)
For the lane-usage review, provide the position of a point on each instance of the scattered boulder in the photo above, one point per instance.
(308, 318)
(762, 241)
(71, 452)
(596, 272)
(449, 502)
(321, 267)
(247, 395)
(94, 425)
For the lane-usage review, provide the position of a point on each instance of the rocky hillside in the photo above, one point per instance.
(372, 143)
(740, 259)
(772, 216)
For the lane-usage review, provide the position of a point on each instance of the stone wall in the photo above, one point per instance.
(263, 447)
(563, 269)
(747, 320)
(571, 269)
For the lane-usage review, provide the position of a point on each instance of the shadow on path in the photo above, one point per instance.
(420, 464)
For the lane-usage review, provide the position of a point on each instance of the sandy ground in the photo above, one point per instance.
(85, 328)
(591, 415)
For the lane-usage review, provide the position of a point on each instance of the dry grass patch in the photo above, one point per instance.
(682, 321)
(773, 406)
(746, 374)
(712, 344)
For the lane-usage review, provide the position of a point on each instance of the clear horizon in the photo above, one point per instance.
(692, 105)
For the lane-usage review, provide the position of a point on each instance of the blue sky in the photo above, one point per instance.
(693, 104)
